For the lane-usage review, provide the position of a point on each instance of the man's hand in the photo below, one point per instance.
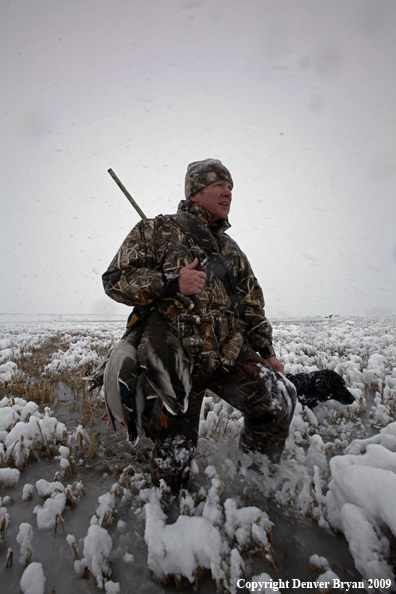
(276, 364)
(191, 282)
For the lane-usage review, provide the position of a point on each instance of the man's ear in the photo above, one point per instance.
(193, 198)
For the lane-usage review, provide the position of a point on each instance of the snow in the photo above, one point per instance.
(27, 492)
(182, 547)
(33, 579)
(24, 539)
(67, 491)
(7, 370)
(105, 510)
(368, 547)
(128, 558)
(52, 509)
(9, 477)
(97, 549)
(359, 501)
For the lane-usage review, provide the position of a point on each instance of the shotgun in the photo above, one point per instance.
(127, 194)
(185, 301)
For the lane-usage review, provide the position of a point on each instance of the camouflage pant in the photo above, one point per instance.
(266, 398)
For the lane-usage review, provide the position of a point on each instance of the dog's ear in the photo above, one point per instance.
(306, 392)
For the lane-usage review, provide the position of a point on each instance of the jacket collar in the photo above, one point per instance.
(218, 228)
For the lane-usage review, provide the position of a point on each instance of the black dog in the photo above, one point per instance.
(320, 386)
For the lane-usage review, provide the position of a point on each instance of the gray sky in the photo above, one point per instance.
(296, 97)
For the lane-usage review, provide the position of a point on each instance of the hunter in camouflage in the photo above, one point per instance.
(221, 325)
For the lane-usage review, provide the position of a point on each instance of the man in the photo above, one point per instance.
(220, 322)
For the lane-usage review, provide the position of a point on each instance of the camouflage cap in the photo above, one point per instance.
(203, 173)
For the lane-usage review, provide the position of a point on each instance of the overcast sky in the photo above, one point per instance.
(296, 97)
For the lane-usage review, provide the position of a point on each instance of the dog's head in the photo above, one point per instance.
(320, 386)
(331, 386)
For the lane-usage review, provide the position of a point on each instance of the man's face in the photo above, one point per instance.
(216, 199)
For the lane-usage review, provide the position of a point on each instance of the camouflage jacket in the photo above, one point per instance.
(151, 257)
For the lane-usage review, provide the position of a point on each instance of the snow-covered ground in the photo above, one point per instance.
(78, 512)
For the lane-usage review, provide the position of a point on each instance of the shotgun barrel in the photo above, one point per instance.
(127, 194)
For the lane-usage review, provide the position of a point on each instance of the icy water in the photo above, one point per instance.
(295, 537)
(295, 540)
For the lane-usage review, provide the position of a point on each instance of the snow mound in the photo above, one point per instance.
(33, 579)
(181, 548)
(362, 512)
(97, 549)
